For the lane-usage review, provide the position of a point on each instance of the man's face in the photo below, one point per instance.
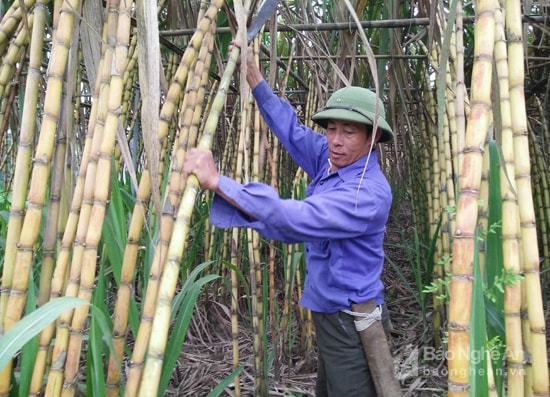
(347, 142)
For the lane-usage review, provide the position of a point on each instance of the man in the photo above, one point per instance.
(341, 221)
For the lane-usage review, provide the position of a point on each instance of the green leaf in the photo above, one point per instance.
(479, 383)
(29, 350)
(30, 325)
(95, 368)
(218, 390)
(495, 263)
(185, 302)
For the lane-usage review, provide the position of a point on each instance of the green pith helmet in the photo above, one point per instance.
(354, 104)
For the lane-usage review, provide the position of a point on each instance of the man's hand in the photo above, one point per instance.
(253, 74)
(200, 163)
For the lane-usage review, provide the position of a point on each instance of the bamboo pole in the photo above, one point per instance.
(467, 209)
(529, 246)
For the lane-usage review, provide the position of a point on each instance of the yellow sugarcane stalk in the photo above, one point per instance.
(510, 221)
(159, 332)
(68, 269)
(40, 174)
(444, 195)
(529, 246)
(236, 256)
(11, 20)
(70, 226)
(435, 210)
(449, 142)
(542, 195)
(22, 169)
(189, 60)
(100, 197)
(254, 259)
(467, 209)
(15, 51)
(7, 71)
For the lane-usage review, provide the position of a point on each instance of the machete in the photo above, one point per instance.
(264, 12)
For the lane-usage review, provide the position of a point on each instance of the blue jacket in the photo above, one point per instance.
(341, 222)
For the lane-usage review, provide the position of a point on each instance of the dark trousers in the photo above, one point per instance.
(342, 368)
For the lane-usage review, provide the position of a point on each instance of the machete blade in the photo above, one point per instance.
(264, 12)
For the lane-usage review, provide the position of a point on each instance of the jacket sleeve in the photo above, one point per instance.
(338, 213)
(307, 147)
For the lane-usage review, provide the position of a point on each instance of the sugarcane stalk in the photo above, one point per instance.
(529, 238)
(237, 256)
(458, 147)
(467, 208)
(11, 20)
(22, 169)
(67, 275)
(161, 321)
(15, 51)
(40, 174)
(189, 60)
(449, 142)
(58, 281)
(542, 195)
(100, 198)
(255, 262)
(435, 211)
(510, 221)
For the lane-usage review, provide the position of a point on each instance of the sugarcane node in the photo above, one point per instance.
(472, 149)
(23, 248)
(15, 291)
(516, 364)
(530, 224)
(134, 364)
(454, 326)
(63, 324)
(458, 387)
(462, 277)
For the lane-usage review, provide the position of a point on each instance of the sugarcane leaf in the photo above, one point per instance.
(95, 368)
(479, 383)
(495, 262)
(186, 300)
(30, 325)
(28, 352)
(218, 390)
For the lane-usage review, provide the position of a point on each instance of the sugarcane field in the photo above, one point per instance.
(274, 198)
